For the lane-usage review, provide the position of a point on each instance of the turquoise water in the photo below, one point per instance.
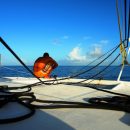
(110, 73)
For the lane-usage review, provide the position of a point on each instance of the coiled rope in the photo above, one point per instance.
(28, 99)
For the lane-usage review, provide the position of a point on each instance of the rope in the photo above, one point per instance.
(94, 60)
(117, 10)
(15, 55)
(79, 73)
(128, 27)
(122, 48)
(48, 82)
(101, 70)
(96, 75)
(125, 18)
(5, 99)
(28, 99)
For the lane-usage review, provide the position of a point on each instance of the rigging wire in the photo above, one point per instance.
(48, 82)
(93, 61)
(91, 68)
(125, 19)
(101, 70)
(76, 73)
(118, 17)
(95, 76)
(16, 56)
(27, 99)
(128, 27)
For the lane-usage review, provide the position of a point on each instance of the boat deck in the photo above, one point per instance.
(67, 118)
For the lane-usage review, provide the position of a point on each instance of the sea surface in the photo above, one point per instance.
(100, 72)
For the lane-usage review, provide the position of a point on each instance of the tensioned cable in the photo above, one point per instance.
(96, 75)
(73, 73)
(92, 77)
(15, 55)
(117, 10)
(94, 61)
(114, 103)
(101, 70)
(79, 73)
(46, 81)
(95, 85)
(125, 21)
(97, 64)
(125, 18)
(128, 26)
(25, 65)
(99, 88)
(62, 78)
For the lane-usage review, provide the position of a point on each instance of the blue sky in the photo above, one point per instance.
(71, 31)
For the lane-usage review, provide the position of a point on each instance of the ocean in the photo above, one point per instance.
(100, 72)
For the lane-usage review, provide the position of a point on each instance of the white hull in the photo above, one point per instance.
(67, 118)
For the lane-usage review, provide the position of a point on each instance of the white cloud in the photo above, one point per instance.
(79, 57)
(75, 55)
(96, 51)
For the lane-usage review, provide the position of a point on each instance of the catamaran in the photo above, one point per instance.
(70, 103)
